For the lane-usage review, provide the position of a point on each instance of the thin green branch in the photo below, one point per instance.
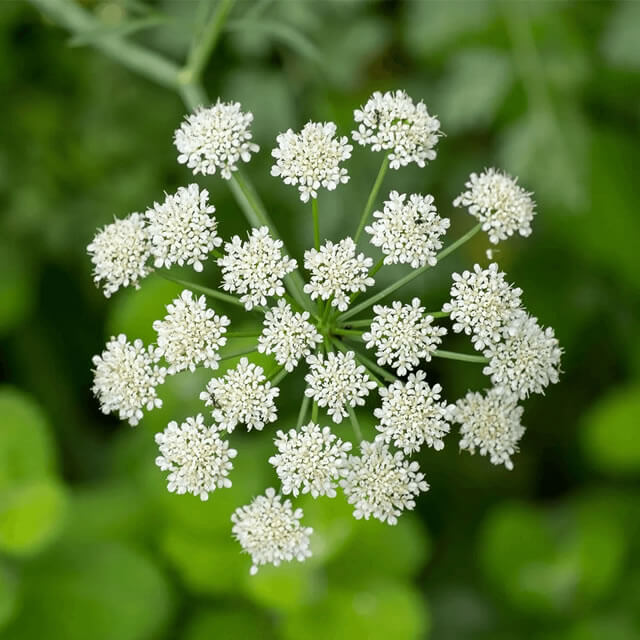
(355, 424)
(465, 357)
(277, 378)
(237, 354)
(347, 332)
(212, 293)
(316, 225)
(408, 278)
(241, 334)
(372, 375)
(372, 198)
(304, 407)
(314, 412)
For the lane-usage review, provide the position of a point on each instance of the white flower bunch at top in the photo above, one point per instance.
(527, 360)
(313, 324)
(242, 395)
(182, 229)
(403, 335)
(269, 530)
(255, 268)
(288, 335)
(408, 232)
(482, 304)
(311, 159)
(382, 484)
(392, 122)
(215, 138)
(336, 272)
(119, 253)
(310, 460)
(190, 334)
(337, 382)
(491, 424)
(125, 378)
(412, 415)
(197, 458)
(501, 205)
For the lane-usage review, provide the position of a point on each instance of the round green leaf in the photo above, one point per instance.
(31, 516)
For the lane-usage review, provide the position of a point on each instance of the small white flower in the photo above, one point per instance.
(499, 203)
(408, 232)
(182, 229)
(412, 415)
(392, 122)
(382, 484)
(119, 253)
(336, 272)
(288, 335)
(197, 459)
(269, 530)
(482, 304)
(216, 137)
(311, 158)
(310, 460)
(125, 378)
(255, 268)
(490, 423)
(190, 334)
(402, 335)
(336, 382)
(242, 395)
(527, 360)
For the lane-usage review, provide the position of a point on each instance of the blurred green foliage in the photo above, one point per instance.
(90, 541)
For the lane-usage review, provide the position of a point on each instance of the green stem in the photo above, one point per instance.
(144, 62)
(376, 267)
(203, 45)
(256, 215)
(212, 293)
(465, 357)
(193, 95)
(347, 332)
(314, 412)
(374, 367)
(316, 225)
(408, 278)
(242, 334)
(375, 378)
(304, 407)
(237, 354)
(277, 378)
(355, 424)
(372, 198)
(438, 314)
(360, 323)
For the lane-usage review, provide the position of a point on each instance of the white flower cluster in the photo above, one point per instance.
(288, 335)
(499, 203)
(269, 530)
(190, 334)
(527, 360)
(243, 395)
(337, 382)
(119, 253)
(215, 138)
(412, 415)
(382, 484)
(125, 378)
(255, 268)
(402, 335)
(336, 272)
(311, 158)
(392, 122)
(482, 304)
(182, 229)
(408, 232)
(491, 424)
(310, 460)
(197, 459)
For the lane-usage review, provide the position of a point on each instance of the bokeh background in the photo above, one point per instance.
(92, 545)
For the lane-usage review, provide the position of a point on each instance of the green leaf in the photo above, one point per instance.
(26, 449)
(31, 516)
(105, 591)
(611, 432)
(375, 611)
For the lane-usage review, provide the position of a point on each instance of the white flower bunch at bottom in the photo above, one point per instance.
(499, 203)
(125, 378)
(269, 530)
(197, 458)
(311, 159)
(408, 232)
(190, 334)
(491, 424)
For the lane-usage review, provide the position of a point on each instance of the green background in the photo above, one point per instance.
(92, 545)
